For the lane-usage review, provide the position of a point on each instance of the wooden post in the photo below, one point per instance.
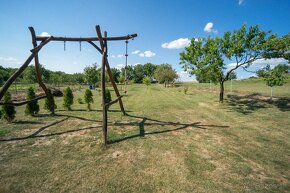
(103, 80)
(38, 72)
(21, 69)
(98, 30)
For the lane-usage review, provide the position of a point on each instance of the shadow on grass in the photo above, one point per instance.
(39, 130)
(93, 110)
(26, 122)
(144, 122)
(247, 104)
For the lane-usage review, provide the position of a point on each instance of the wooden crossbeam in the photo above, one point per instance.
(24, 102)
(114, 101)
(84, 39)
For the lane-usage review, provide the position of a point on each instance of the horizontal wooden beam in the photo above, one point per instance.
(80, 39)
(25, 102)
(114, 101)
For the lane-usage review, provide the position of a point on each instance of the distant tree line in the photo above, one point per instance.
(163, 73)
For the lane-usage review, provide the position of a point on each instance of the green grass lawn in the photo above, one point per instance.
(245, 86)
(169, 142)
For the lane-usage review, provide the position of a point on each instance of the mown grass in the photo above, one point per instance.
(169, 142)
(246, 86)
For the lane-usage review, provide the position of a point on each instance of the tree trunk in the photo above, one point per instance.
(222, 91)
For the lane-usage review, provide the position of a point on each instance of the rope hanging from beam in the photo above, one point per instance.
(126, 63)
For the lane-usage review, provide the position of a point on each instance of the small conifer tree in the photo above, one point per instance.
(89, 98)
(147, 81)
(68, 98)
(46, 103)
(8, 111)
(32, 108)
(107, 96)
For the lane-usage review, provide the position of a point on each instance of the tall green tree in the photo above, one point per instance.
(206, 57)
(164, 73)
(32, 108)
(116, 74)
(92, 74)
(139, 73)
(129, 71)
(276, 76)
(149, 70)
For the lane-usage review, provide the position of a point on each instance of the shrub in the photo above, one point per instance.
(32, 108)
(185, 89)
(46, 103)
(80, 101)
(146, 80)
(107, 96)
(89, 98)
(68, 98)
(8, 111)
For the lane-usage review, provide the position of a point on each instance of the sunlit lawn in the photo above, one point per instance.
(169, 142)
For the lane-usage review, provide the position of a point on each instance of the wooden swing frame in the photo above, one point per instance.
(103, 49)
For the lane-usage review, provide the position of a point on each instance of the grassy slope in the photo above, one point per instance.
(191, 143)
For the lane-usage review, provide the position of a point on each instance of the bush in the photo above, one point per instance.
(68, 98)
(185, 89)
(146, 80)
(46, 103)
(107, 96)
(32, 108)
(8, 112)
(89, 98)
(80, 101)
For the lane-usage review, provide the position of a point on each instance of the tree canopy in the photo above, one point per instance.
(164, 73)
(206, 57)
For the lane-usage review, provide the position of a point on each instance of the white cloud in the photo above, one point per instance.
(8, 59)
(120, 66)
(262, 62)
(147, 54)
(177, 44)
(113, 56)
(209, 28)
(241, 2)
(184, 76)
(136, 52)
(120, 55)
(44, 34)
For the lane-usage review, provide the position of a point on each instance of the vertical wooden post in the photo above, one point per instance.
(103, 80)
(38, 73)
(98, 30)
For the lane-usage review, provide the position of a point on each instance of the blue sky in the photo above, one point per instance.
(157, 22)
